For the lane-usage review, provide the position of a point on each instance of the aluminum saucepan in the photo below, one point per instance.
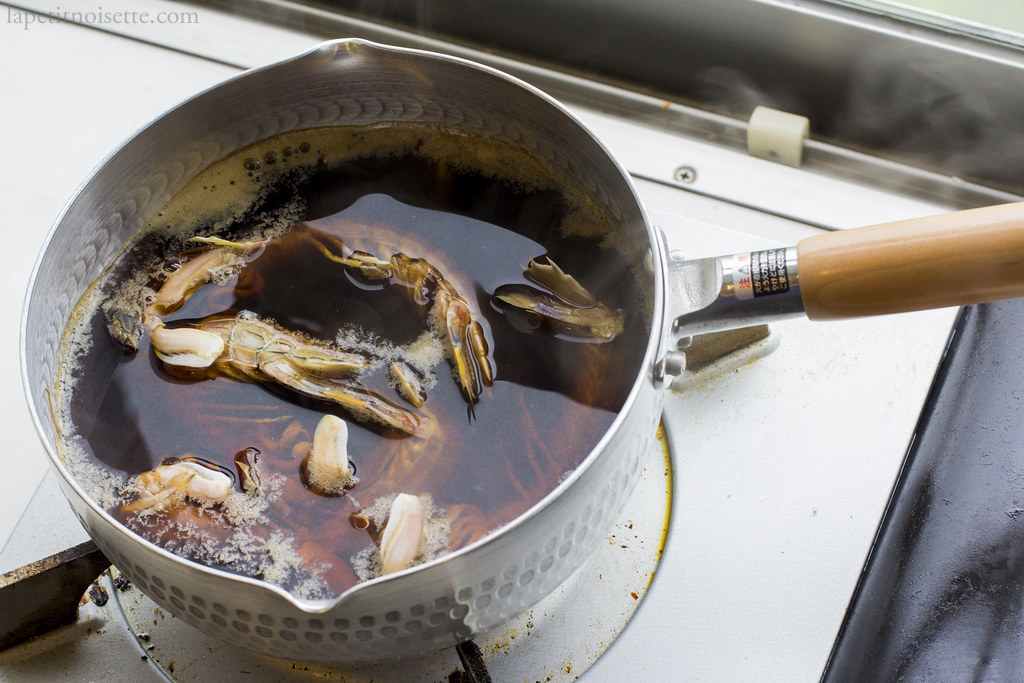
(452, 599)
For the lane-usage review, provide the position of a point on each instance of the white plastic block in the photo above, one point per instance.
(777, 136)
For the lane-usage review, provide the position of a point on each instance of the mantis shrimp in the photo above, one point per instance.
(246, 347)
(249, 348)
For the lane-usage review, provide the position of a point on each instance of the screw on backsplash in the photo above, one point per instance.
(685, 174)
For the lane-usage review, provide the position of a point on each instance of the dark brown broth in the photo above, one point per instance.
(552, 398)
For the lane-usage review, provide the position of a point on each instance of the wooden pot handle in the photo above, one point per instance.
(948, 260)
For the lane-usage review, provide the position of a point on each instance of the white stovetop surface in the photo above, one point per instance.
(781, 469)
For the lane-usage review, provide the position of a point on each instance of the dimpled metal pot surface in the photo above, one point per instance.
(448, 600)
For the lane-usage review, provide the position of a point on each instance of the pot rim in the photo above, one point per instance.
(330, 50)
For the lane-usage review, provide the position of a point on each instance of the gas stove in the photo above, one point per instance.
(738, 554)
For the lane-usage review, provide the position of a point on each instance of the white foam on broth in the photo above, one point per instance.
(234, 533)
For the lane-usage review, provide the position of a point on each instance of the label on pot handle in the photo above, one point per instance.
(760, 273)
